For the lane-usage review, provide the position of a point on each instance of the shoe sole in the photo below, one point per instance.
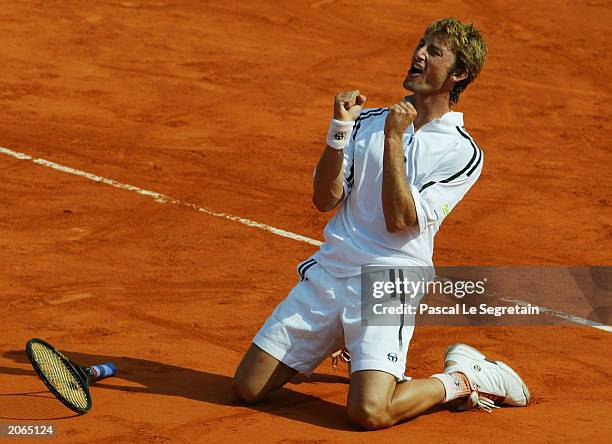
(473, 353)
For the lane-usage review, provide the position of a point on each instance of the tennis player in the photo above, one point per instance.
(393, 175)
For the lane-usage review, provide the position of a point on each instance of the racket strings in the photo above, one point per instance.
(60, 375)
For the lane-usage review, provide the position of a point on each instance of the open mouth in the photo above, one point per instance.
(416, 69)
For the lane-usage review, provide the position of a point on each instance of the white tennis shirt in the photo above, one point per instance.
(442, 163)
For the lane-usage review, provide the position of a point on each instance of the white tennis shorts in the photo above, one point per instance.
(322, 314)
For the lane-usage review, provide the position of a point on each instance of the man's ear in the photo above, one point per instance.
(459, 76)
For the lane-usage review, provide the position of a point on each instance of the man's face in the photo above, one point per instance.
(430, 66)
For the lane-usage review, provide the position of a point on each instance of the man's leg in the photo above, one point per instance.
(377, 401)
(302, 331)
(258, 374)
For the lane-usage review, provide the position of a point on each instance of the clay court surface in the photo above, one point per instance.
(225, 105)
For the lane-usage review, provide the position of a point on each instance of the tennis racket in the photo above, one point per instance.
(67, 380)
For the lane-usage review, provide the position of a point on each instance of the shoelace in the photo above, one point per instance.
(341, 355)
(481, 402)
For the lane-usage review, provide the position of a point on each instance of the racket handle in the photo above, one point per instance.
(102, 371)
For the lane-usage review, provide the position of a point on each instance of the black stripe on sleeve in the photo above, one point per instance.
(469, 173)
(427, 185)
(471, 165)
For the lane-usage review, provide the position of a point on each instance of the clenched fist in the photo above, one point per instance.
(347, 105)
(399, 118)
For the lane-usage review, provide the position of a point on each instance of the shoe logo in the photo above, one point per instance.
(456, 381)
(476, 367)
(392, 357)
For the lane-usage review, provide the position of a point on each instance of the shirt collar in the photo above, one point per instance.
(451, 118)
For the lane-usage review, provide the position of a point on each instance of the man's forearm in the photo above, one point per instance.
(397, 201)
(327, 184)
(328, 188)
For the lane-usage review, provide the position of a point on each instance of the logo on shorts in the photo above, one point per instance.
(477, 367)
(339, 136)
(392, 357)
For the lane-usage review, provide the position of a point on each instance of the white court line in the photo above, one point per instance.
(159, 197)
(560, 314)
(162, 198)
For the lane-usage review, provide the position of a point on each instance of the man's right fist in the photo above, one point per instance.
(347, 105)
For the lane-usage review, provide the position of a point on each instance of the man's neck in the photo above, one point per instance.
(429, 108)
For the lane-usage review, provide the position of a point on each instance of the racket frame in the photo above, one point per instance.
(79, 371)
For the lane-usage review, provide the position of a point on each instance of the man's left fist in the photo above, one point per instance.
(399, 118)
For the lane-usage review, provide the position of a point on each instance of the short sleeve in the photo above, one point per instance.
(437, 195)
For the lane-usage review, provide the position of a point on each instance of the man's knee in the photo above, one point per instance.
(245, 391)
(369, 415)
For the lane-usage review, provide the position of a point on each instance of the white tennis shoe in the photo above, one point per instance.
(493, 382)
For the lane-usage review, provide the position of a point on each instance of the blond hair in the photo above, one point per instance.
(469, 46)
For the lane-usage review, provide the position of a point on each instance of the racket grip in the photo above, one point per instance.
(102, 371)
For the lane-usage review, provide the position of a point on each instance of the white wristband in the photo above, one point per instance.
(339, 133)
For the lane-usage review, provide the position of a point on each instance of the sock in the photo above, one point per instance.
(455, 384)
